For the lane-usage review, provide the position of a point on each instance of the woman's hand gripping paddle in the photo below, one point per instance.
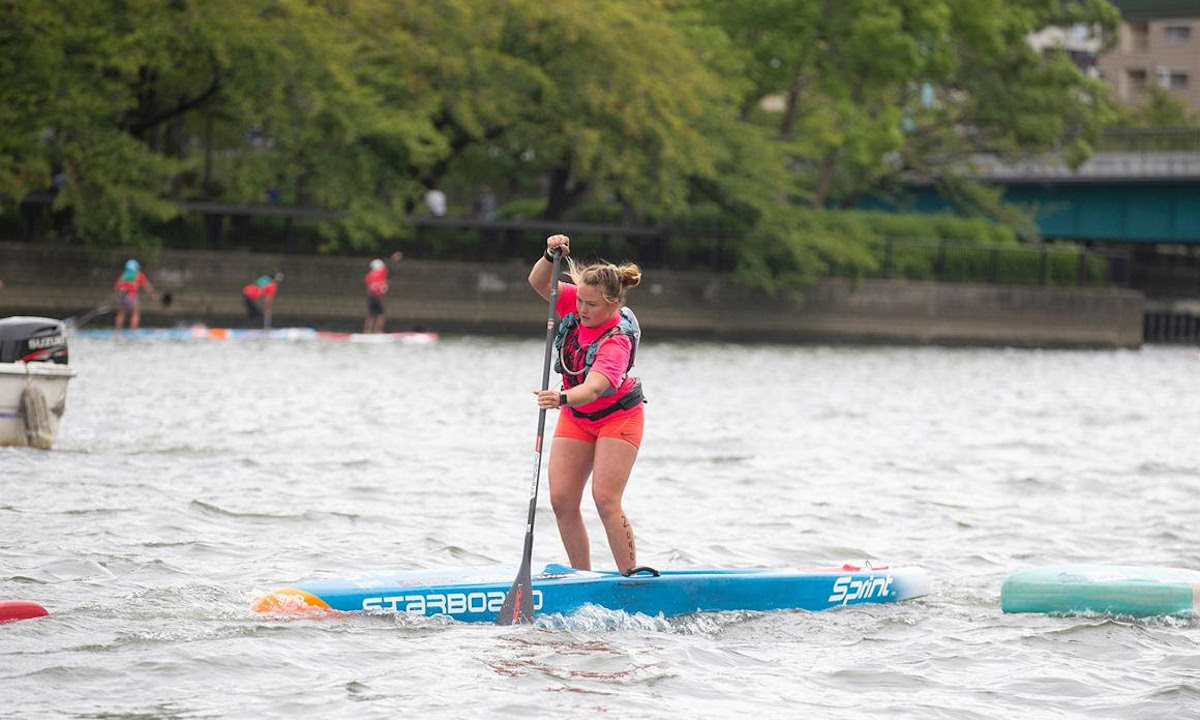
(518, 604)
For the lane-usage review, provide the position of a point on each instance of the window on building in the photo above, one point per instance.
(1131, 86)
(1172, 79)
(1083, 60)
(1177, 34)
(1139, 37)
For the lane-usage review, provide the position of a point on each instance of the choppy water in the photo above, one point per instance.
(190, 477)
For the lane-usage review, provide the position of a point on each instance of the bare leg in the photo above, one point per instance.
(367, 325)
(135, 318)
(570, 463)
(613, 464)
(379, 321)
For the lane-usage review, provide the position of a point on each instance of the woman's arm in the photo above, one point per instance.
(592, 387)
(539, 276)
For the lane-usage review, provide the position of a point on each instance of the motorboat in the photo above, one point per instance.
(33, 380)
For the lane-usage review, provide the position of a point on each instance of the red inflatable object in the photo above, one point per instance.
(20, 610)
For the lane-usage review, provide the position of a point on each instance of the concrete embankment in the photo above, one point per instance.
(61, 281)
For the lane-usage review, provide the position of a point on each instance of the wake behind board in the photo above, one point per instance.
(1102, 589)
(475, 594)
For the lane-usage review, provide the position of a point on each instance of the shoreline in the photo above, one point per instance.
(495, 299)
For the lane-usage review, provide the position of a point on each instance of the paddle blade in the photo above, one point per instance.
(518, 604)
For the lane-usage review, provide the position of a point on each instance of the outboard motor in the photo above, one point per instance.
(33, 339)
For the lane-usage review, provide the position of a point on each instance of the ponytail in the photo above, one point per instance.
(630, 274)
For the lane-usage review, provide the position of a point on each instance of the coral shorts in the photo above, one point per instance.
(625, 426)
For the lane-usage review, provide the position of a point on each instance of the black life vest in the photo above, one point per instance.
(575, 361)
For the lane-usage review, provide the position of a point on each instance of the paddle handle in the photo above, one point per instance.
(518, 603)
(551, 315)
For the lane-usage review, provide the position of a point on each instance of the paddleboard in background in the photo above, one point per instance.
(1102, 589)
(11, 610)
(175, 333)
(404, 338)
(475, 594)
(202, 332)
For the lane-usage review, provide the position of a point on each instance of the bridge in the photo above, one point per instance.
(1141, 10)
(1143, 187)
(1114, 197)
(1140, 192)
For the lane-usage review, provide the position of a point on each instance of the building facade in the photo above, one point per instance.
(1165, 52)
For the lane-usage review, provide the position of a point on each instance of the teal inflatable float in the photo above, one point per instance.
(1102, 589)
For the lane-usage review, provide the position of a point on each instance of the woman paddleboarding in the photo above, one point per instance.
(600, 425)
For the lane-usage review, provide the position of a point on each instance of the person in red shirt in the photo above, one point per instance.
(601, 419)
(377, 286)
(128, 286)
(260, 297)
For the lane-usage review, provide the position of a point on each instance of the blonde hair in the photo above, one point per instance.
(613, 280)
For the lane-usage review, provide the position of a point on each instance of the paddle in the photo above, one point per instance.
(268, 301)
(76, 323)
(518, 604)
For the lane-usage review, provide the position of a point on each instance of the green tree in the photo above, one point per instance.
(599, 99)
(874, 89)
(652, 106)
(130, 103)
(1160, 108)
(876, 93)
(66, 98)
(352, 106)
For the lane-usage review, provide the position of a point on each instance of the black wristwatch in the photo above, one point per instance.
(562, 400)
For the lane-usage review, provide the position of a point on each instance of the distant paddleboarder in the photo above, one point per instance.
(260, 297)
(128, 287)
(376, 281)
(600, 424)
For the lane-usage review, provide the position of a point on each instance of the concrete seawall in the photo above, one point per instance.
(61, 281)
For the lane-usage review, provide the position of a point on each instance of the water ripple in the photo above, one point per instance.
(193, 477)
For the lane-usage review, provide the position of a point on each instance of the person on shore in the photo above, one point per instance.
(600, 422)
(260, 297)
(435, 200)
(128, 288)
(485, 204)
(377, 286)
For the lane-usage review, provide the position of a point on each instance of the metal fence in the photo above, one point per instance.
(949, 261)
(1171, 327)
(1182, 139)
(277, 229)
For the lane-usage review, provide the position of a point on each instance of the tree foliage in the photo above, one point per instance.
(877, 93)
(1160, 108)
(653, 107)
